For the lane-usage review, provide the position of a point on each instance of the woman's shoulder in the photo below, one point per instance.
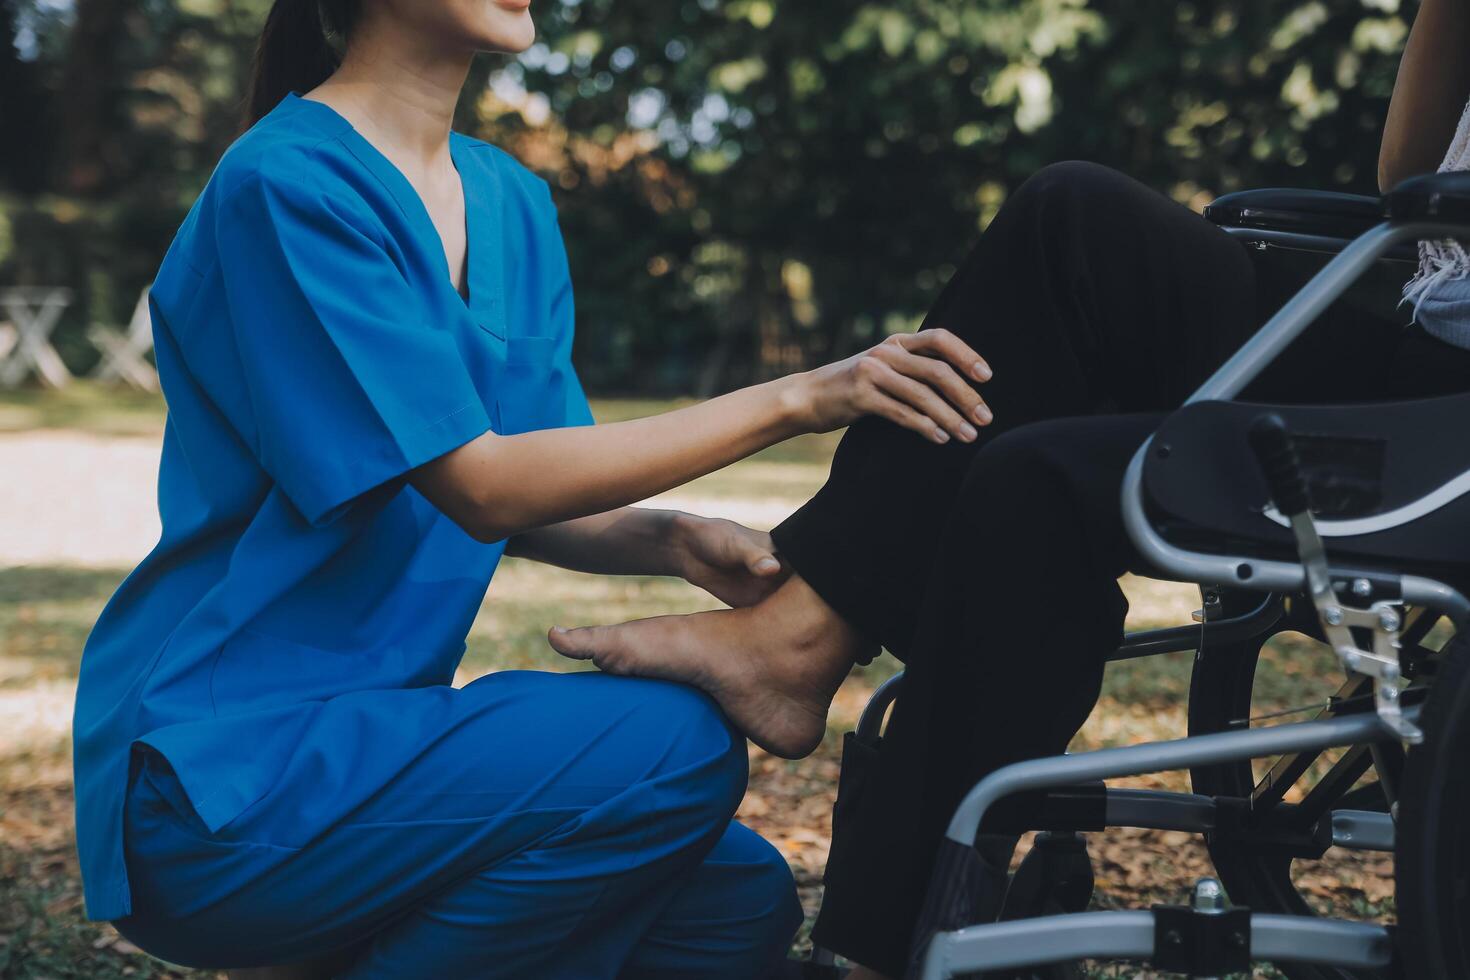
(278, 152)
(274, 173)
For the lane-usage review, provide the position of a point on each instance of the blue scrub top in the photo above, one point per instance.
(312, 350)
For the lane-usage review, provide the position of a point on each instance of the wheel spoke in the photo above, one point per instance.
(1330, 790)
(1289, 768)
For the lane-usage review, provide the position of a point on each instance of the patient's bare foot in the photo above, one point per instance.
(773, 667)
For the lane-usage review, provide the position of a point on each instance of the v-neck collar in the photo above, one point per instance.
(482, 193)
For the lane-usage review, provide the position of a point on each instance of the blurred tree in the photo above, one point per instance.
(746, 188)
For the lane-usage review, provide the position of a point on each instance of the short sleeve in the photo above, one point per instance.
(562, 315)
(349, 381)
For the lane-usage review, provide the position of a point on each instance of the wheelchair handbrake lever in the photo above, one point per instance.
(1280, 464)
(1276, 454)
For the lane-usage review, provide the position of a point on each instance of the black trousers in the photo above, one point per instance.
(991, 568)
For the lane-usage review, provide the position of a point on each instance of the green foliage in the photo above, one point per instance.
(746, 187)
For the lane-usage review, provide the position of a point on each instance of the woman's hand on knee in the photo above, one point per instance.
(922, 381)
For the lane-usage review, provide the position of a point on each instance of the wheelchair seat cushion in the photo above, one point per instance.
(1388, 481)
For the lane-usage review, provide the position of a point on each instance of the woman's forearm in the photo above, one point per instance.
(1429, 94)
(499, 486)
(626, 541)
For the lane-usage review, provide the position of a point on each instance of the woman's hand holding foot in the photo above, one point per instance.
(773, 667)
(734, 563)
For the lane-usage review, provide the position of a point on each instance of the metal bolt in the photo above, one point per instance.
(1389, 620)
(1390, 694)
(1362, 588)
(1333, 615)
(1209, 896)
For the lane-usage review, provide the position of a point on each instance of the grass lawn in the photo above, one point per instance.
(46, 611)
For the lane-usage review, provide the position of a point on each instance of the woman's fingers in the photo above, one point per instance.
(918, 397)
(740, 546)
(924, 398)
(939, 376)
(760, 560)
(939, 342)
(730, 545)
(896, 411)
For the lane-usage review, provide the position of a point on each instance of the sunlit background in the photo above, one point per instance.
(746, 188)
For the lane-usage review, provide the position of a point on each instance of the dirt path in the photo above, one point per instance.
(74, 498)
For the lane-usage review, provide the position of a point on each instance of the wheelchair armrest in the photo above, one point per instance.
(1329, 214)
(1430, 197)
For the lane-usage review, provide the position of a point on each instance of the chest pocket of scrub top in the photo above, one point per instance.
(532, 389)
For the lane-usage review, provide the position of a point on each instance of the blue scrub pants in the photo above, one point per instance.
(566, 826)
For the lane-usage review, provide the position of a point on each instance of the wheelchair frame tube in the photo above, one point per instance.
(1182, 753)
(1296, 240)
(1253, 356)
(1131, 935)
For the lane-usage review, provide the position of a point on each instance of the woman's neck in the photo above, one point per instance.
(398, 88)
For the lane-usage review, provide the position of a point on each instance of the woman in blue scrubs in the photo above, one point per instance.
(363, 331)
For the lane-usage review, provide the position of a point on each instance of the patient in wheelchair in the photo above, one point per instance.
(990, 568)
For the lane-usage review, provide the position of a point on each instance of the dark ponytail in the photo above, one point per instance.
(300, 46)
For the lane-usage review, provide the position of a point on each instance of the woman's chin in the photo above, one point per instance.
(509, 28)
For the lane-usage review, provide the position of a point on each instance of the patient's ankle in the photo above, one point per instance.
(812, 624)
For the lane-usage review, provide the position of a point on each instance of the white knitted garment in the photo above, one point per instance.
(1441, 261)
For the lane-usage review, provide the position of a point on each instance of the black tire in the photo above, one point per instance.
(1220, 692)
(1432, 857)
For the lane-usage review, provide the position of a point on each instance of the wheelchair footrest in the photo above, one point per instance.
(1138, 935)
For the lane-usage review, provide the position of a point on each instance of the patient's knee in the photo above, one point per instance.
(1011, 462)
(1070, 183)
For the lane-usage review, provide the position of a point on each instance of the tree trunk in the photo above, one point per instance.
(90, 92)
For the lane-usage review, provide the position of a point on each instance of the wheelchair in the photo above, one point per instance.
(1350, 524)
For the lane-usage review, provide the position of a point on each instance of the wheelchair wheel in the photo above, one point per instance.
(1261, 835)
(1432, 860)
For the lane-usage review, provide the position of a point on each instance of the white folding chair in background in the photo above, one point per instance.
(124, 355)
(34, 312)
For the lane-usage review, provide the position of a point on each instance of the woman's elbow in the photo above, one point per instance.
(487, 529)
(1390, 173)
(488, 519)
(1390, 166)
(465, 492)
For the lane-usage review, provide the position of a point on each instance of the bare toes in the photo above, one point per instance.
(605, 646)
(575, 643)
